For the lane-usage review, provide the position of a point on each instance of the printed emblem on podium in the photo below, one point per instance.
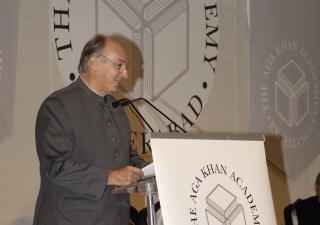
(223, 208)
(292, 94)
(153, 23)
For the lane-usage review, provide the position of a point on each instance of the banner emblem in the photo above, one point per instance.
(289, 103)
(173, 54)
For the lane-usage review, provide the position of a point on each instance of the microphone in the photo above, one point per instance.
(124, 102)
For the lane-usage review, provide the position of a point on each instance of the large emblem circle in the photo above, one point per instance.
(172, 47)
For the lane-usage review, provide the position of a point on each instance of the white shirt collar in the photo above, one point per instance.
(90, 87)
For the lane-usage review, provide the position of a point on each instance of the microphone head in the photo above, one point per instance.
(115, 104)
(122, 102)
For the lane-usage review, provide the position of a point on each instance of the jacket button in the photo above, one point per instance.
(109, 124)
(105, 108)
(112, 139)
(116, 154)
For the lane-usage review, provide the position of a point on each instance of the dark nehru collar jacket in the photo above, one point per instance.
(80, 137)
(308, 211)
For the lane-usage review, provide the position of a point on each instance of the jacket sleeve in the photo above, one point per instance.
(54, 140)
(136, 160)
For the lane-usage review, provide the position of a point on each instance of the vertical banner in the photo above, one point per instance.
(172, 46)
(284, 81)
(8, 55)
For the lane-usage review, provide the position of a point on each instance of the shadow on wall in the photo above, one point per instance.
(274, 151)
(22, 221)
(278, 180)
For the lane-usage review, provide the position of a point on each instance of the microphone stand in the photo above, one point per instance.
(123, 102)
(149, 188)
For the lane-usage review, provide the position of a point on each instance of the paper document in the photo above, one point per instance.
(148, 171)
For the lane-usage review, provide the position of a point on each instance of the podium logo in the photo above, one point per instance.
(219, 195)
(223, 208)
(172, 46)
(290, 94)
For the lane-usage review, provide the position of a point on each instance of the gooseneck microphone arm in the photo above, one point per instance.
(158, 110)
(124, 102)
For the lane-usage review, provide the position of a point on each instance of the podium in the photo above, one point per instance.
(147, 188)
(210, 179)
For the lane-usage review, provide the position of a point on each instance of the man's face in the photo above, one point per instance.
(317, 189)
(110, 74)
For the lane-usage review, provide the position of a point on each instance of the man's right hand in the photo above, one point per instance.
(125, 176)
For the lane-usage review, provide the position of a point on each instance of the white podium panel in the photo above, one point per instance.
(208, 179)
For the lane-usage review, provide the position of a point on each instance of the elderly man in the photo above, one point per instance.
(83, 144)
(308, 210)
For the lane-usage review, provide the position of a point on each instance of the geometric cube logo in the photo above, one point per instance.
(150, 23)
(291, 94)
(223, 208)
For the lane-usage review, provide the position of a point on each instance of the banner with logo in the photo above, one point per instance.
(8, 55)
(172, 46)
(208, 181)
(284, 81)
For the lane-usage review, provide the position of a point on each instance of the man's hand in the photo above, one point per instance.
(125, 176)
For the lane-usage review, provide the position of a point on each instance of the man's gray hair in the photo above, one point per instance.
(93, 47)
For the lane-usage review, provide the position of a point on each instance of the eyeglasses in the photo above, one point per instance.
(120, 66)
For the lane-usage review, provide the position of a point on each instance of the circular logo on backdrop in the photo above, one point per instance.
(290, 94)
(172, 47)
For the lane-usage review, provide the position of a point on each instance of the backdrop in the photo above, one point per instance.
(225, 110)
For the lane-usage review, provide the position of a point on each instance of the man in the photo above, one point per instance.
(83, 144)
(308, 210)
